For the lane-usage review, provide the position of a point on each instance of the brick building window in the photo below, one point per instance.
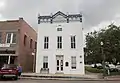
(25, 40)
(8, 37)
(11, 38)
(0, 37)
(35, 45)
(14, 38)
(31, 43)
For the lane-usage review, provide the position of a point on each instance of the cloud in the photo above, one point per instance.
(95, 12)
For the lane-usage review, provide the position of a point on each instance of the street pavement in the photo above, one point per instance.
(53, 81)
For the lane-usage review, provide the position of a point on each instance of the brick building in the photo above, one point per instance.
(17, 44)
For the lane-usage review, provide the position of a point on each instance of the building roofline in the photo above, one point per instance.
(20, 18)
(52, 16)
(58, 13)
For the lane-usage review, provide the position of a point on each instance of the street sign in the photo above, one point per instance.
(4, 45)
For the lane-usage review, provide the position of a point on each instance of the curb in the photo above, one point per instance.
(68, 79)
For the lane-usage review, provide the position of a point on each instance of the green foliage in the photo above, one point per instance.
(115, 73)
(93, 70)
(111, 45)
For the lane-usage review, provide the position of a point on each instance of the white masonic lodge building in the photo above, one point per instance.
(60, 44)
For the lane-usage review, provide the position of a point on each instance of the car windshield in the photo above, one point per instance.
(7, 66)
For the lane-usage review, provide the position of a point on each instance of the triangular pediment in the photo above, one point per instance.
(59, 16)
(59, 13)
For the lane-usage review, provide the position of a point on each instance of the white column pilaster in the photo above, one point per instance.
(9, 59)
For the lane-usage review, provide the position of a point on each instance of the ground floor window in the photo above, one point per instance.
(5, 60)
(45, 61)
(73, 62)
(12, 59)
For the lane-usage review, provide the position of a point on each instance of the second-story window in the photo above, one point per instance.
(59, 42)
(25, 40)
(8, 37)
(14, 38)
(46, 41)
(0, 37)
(31, 42)
(11, 38)
(73, 40)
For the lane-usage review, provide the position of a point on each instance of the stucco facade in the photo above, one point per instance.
(59, 59)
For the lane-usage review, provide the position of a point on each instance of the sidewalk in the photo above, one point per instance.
(87, 77)
(117, 77)
(60, 76)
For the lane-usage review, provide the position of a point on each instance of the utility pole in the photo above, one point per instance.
(104, 70)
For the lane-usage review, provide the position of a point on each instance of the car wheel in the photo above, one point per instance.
(16, 78)
(1, 77)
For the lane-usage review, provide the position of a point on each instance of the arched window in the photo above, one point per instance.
(31, 41)
(25, 40)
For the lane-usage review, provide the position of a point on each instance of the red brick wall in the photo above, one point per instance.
(25, 52)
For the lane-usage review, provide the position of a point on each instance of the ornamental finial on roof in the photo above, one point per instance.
(51, 14)
(38, 14)
(67, 13)
(81, 13)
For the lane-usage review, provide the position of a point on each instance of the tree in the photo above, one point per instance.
(111, 48)
(93, 47)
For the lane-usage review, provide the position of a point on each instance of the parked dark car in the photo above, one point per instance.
(9, 70)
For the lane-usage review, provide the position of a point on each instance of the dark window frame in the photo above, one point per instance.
(31, 43)
(73, 42)
(11, 37)
(59, 42)
(14, 38)
(8, 39)
(35, 45)
(73, 62)
(59, 29)
(46, 42)
(45, 62)
(25, 40)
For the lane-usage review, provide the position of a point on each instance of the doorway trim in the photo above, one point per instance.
(59, 63)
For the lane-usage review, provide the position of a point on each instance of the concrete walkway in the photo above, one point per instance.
(60, 76)
(87, 77)
(117, 77)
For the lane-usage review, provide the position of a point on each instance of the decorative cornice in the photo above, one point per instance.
(68, 17)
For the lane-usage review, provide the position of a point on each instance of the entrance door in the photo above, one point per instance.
(59, 61)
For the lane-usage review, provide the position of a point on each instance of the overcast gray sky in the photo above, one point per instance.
(97, 13)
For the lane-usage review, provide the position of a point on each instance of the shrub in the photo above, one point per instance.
(99, 67)
(93, 70)
(115, 73)
(114, 70)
